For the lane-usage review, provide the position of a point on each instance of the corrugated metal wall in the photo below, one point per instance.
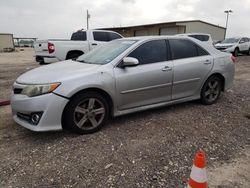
(6, 41)
(217, 33)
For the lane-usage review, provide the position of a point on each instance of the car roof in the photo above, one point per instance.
(194, 34)
(141, 38)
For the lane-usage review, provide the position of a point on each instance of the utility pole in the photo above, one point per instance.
(227, 12)
(88, 16)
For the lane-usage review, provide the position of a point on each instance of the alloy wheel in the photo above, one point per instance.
(89, 113)
(212, 90)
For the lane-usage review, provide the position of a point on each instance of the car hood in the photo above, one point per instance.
(56, 72)
(225, 45)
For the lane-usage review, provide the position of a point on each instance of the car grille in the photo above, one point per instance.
(22, 116)
(221, 48)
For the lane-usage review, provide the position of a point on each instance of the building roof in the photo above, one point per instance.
(6, 34)
(155, 24)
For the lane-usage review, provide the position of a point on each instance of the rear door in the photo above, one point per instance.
(245, 44)
(191, 66)
(148, 83)
(242, 44)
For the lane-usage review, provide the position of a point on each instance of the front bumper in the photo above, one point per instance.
(50, 105)
(228, 50)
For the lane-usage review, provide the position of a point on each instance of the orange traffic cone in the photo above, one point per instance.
(198, 176)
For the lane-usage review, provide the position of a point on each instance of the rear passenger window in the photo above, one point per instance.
(200, 37)
(101, 36)
(185, 49)
(201, 51)
(151, 52)
(113, 36)
(80, 35)
(205, 37)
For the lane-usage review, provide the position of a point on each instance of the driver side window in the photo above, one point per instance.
(151, 52)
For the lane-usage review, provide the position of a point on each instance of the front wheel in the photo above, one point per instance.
(236, 52)
(85, 113)
(211, 90)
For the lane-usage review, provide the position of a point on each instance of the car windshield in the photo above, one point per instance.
(107, 52)
(230, 40)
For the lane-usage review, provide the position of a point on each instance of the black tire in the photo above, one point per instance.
(73, 55)
(85, 113)
(42, 63)
(248, 52)
(236, 52)
(211, 90)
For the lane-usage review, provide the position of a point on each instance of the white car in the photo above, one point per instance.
(235, 45)
(204, 37)
(49, 51)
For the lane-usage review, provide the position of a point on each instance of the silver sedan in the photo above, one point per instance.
(120, 77)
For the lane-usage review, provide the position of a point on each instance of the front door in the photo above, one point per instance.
(149, 82)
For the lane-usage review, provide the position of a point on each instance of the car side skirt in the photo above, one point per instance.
(151, 106)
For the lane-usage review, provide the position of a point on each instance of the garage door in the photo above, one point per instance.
(141, 33)
(169, 31)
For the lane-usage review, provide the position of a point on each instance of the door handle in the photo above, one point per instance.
(94, 44)
(207, 62)
(167, 68)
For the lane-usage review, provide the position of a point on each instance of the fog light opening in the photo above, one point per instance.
(35, 118)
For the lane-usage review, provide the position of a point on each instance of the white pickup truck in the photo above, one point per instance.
(48, 51)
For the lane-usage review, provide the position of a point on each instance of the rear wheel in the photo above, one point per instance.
(211, 90)
(85, 113)
(248, 52)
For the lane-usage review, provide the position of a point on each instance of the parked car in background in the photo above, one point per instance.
(204, 37)
(81, 42)
(235, 45)
(120, 77)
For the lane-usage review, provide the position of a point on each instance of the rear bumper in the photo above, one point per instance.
(46, 59)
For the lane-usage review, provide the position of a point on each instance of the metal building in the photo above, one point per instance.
(172, 28)
(6, 42)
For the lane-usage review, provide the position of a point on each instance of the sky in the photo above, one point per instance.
(57, 19)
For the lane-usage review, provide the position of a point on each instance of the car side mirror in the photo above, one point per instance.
(129, 62)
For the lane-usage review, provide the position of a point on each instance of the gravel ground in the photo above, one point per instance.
(146, 149)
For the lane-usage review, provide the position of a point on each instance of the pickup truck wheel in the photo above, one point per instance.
(73, 55)
(85, 113)
(236, 52)
(42, 63)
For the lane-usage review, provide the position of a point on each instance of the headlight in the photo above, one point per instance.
(35, 90)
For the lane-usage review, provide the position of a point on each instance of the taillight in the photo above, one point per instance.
(51, 47)
(233, 58)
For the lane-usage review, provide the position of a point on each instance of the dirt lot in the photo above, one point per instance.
(147, 149)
